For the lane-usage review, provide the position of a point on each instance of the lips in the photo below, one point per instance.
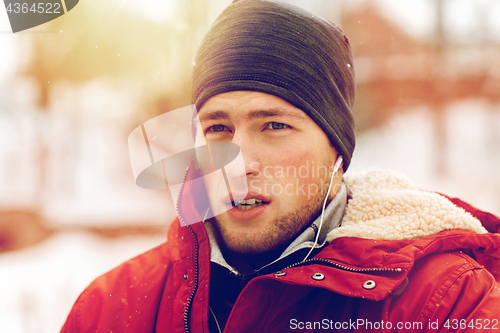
(252, 200)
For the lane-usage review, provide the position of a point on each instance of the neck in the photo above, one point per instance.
(250, 263)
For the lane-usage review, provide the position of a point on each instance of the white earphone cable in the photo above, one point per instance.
(335, 169)
(216, 321)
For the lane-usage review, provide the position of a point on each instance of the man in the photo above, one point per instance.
(308, 249)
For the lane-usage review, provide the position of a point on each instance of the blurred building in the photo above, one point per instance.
(427, 107)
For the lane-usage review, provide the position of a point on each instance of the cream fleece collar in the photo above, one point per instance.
(386, 205)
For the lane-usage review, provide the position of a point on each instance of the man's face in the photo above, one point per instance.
(288, 163)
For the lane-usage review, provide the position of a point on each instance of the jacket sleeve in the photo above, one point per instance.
(471, 304)
(72, 324)
(125, 299)
(445, 292)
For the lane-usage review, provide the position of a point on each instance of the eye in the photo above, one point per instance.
(277, 126)
(216, 128)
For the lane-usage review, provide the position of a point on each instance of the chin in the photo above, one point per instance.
(249, 245)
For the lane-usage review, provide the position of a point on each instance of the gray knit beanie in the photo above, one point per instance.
(283, 50)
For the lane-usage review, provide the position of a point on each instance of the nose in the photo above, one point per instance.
(249, 165)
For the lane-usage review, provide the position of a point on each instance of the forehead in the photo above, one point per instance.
(248, 104)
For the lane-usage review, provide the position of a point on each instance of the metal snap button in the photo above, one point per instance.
(318, 276)
(369, 284)
(279, 273)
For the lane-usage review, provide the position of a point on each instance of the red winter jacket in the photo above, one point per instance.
(443, 282)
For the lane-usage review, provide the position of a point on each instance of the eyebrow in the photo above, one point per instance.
(216, 115)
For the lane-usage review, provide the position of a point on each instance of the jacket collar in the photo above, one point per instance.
(386, 205)
(393, 224)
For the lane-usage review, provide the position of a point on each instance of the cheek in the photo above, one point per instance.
(294, 158)
(301, 177)
(309, 185)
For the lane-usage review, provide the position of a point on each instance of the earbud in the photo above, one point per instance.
(337, 165)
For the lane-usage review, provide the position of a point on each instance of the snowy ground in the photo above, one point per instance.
(40, 284)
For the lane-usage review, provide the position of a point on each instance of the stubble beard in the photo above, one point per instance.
(275, 237)
(273, 240)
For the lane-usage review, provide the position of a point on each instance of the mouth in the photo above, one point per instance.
(248, 204)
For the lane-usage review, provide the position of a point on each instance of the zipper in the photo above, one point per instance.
(195, 256)
(346, 268)
(195, 286)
